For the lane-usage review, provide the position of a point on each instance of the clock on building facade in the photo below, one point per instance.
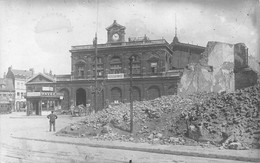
(115, 33)
(115, 37)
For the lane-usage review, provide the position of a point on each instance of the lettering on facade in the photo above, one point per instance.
(33, 94)
(50, 94)
(115, 76)
(47, 88)
(44, 94)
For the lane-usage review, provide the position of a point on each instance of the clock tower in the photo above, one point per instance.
(115, 33)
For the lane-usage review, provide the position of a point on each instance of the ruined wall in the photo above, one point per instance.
(241, 56)
(196, 78)
(245, 78)
(222, 59)
(214, 72)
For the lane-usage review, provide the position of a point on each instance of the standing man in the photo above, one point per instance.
(52, 118)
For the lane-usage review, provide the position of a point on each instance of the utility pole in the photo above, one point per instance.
(95, 95)
(131, 93)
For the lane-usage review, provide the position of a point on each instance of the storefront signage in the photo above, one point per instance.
(33, 94)
(47, 88)
(115, 76)
(51, 94)
(44, 94)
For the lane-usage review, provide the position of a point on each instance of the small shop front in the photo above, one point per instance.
(43, 101)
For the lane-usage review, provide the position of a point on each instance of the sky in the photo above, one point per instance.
(39, 34)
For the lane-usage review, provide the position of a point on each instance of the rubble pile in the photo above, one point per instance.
(228, 119)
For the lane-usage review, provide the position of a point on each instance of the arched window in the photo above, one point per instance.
(153, 92)
(116, 65)
(136, 94)
(116, 95)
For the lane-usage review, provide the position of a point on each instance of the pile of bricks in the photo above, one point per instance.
(219, 119)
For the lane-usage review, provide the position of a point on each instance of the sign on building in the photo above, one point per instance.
(33, 94)
(47, 89)
(115, 76)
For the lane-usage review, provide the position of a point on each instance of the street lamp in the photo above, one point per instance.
(131, 92)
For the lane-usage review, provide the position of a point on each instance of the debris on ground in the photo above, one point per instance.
(226, 120)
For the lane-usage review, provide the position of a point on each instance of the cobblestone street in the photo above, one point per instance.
(27, 139)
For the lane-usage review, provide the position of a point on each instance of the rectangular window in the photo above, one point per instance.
(81, 71)
(154, 67)
(18, 93)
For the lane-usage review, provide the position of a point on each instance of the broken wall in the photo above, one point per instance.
(241, 56)
(196, 78)
(245, 78)
(221, 57)
(214, 72)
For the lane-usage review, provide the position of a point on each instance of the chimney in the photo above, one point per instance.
(32, 70)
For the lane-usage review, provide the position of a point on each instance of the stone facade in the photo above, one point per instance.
(7, 95)
(184, 54)
(156, 67)
(19, 78)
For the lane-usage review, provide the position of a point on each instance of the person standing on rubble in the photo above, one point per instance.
(52, 118)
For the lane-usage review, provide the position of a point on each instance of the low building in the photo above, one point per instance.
(42, 94)
(7, 95)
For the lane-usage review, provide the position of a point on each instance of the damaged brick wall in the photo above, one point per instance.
(196, 78)
(221, 69)
(245, 78)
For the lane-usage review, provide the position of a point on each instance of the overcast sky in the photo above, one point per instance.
(39, 34)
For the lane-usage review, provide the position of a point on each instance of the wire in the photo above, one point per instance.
(97, 4)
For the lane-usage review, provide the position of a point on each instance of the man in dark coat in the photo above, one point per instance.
(52, 118)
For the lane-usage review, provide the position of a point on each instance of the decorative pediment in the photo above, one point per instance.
(153, 58)
(41, 78)
(115, 26)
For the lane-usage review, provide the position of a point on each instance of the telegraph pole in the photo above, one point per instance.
(95, 96)
(131, 93)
